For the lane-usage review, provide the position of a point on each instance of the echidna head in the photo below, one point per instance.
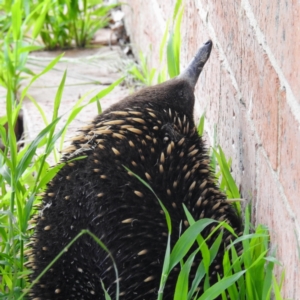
(177, 93)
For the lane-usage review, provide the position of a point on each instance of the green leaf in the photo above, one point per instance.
(165, 269)
(177, 40)
(226, 173)
(26, 49)
(186, 241)
(267, 282)
(216, 290)
(49, 175)
(58, 96)
(182, 285)
(45, 70)
(4, 169)
(163, 42)
(41, 19)
(16, 13)
(27, 157)
(106, 91)
(200, 273)
(200, 128)
(107, 297)
(176, 9)
(171, 60)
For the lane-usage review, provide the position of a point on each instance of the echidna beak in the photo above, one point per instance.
(193, 70)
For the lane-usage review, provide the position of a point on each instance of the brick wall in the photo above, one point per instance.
(250, 88)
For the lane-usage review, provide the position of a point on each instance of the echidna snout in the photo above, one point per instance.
(153, 134)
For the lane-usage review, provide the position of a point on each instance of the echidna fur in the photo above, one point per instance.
(152, 133)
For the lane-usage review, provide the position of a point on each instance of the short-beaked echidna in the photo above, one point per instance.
(153, 134)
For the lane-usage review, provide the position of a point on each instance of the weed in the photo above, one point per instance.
(63, 22)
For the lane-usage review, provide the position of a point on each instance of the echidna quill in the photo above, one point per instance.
(153, 134)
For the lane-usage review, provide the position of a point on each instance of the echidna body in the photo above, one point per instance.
(153, 134)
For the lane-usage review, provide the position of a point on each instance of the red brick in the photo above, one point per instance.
(272, 211)
(261, 89)
(248, 155)
(225, 17)
(144, 26)
(279, 22)
(289, 142)
(229, 132)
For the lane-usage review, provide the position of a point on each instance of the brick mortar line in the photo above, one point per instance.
(291, 99)
(283, 196)
(222, 57)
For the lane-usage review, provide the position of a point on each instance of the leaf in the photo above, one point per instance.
(30, 48)
(165, 269)
(4, 169)
(171, 56)
(16, 14)
(226, 173)
(182, 285)
(186, 240)
(216, 290)
(200, 128)
(200, 273)
(49, 176)
(107, 297)
(176, 9)
(106, 91)
(40, 20)
(27, 158)
(163, 42)
(267, 283)
(177, 40)
(45, 70)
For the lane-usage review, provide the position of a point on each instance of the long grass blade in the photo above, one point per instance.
(182, 285)
(220, 286)
(186, 240)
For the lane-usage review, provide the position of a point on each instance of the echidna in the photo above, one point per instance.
(153, 134)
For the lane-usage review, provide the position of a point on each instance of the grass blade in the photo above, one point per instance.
(182, 285)
(27, 157)
(45, 70)
(216, 290)
(200, 128)
(186, 240)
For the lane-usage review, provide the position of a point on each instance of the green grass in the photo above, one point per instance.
(61, 24)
